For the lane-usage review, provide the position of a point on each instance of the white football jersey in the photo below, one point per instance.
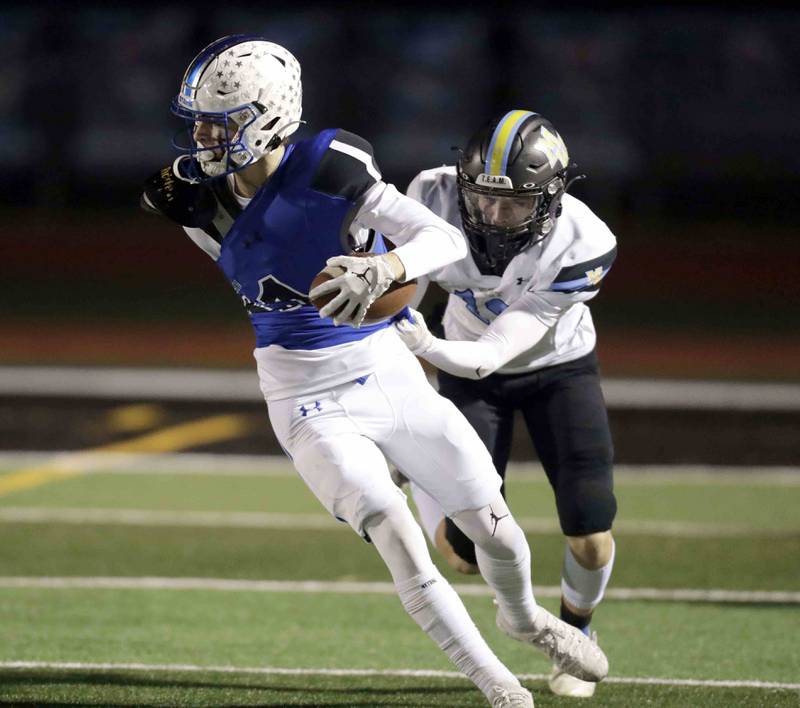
(552, 279)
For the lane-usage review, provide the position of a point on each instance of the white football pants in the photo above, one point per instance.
(338, 438)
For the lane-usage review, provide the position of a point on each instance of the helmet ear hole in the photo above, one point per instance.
(271, 124)
(275, 140)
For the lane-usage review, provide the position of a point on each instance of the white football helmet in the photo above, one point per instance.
(248, 86)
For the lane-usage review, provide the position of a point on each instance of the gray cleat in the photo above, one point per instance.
(567, 646)
(513, 697)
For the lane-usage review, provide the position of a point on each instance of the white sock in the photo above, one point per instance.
(430, 513)
(584, 588)
(504, 559)
(431, 601)
(511, 582)
(435, 606)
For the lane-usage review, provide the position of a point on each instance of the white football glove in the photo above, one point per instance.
(364, 281)
(415, 335)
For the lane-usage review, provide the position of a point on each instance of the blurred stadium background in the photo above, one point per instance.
(684, 120)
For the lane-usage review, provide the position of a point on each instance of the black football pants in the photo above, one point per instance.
(566, 417)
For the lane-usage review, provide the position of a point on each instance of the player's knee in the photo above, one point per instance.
(586, 505)
(399, 540)
(592, 551)
(393, 521)
(493, 530)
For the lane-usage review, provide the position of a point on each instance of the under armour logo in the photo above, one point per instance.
(520, 281)
(305, 411)
(495, 519)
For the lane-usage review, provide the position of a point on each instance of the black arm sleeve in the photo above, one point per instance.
(180, 201)
(347, 169)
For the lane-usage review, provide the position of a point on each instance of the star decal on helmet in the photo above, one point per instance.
(239, 78)
(553, 148)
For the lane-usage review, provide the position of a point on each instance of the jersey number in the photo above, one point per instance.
(495, 305)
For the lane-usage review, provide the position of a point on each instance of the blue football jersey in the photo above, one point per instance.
(273, 248)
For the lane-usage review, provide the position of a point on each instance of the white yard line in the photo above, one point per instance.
(189, 463)
(379, 588)
(149, 517)
(414, 673)
(242, 385)
(312, 521)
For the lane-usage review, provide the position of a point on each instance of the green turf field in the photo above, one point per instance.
(144, 582)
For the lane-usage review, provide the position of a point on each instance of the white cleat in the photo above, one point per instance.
(562, 684)
(566, 645)
(514, 697)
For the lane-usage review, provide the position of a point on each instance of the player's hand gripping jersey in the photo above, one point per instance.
(531, 316)
(326, 199)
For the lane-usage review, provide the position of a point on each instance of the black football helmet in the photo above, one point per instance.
(511, 178)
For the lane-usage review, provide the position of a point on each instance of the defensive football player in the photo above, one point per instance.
(519, 337)
(340, 398)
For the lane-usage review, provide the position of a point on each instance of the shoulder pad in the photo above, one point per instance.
(428, 183)
(347, 168)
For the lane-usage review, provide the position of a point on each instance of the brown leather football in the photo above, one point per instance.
(390, 303)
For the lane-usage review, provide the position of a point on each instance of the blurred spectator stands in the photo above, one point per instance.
(683, 119)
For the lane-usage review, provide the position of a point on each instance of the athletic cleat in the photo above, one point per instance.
(515, 697)
(566, 645)
(562, 684)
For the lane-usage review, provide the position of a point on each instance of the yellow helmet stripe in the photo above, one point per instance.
(502, 139)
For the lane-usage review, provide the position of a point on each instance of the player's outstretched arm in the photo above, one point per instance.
(515, 331)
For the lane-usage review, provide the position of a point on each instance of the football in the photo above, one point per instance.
(390, 303)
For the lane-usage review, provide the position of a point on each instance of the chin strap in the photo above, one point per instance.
(176, 170)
